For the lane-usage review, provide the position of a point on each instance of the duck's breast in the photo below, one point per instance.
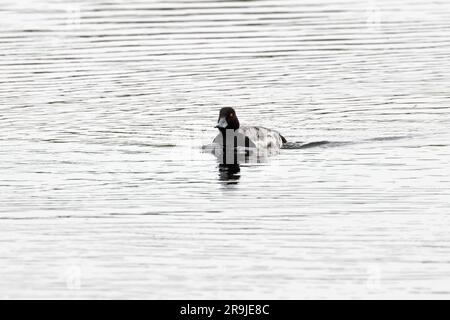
(234, 139)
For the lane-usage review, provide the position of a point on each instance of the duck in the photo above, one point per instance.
(232, 134)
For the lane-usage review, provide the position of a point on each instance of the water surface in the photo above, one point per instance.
(105, 190)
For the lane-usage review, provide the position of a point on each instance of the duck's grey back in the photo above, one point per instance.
(263, 137)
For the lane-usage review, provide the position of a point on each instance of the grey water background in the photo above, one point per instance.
(105, 191)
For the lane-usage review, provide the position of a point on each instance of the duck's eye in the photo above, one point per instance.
(231, 114)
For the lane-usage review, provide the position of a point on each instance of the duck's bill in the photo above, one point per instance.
(222, 123)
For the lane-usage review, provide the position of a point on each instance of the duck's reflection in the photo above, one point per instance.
(229, 173)
(230, 160)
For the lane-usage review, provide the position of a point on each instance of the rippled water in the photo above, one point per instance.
(105, 190)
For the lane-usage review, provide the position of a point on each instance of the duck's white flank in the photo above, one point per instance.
(260, 137)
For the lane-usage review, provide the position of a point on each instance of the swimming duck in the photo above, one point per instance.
(232, 134)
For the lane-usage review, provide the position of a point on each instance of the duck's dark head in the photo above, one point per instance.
(227, 119)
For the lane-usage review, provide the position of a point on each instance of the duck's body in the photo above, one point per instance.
(253, 137)
(233, 135)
